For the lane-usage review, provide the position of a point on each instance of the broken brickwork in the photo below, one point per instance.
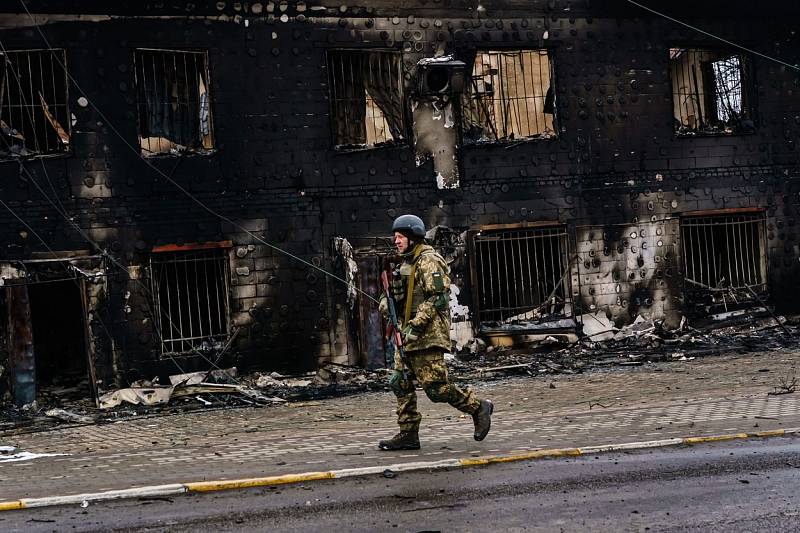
(612, 172)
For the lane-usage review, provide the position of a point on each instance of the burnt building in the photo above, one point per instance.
(572, 158)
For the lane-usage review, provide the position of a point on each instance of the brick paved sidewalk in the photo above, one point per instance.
(702, 397)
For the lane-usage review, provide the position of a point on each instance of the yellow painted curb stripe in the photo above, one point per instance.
(715, 438)
(10, 506)
(209, 486)
(772, 433)
(538, 454)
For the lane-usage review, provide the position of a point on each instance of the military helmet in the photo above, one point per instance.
(409, 224)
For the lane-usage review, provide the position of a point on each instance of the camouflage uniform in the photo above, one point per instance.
(430, 317)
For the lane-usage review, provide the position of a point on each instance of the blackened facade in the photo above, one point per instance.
(656, 173)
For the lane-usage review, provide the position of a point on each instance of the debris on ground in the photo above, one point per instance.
(330, 379)
(598, 344)
(195, 385)
(602, 344)
(786, 385)
(67, 416)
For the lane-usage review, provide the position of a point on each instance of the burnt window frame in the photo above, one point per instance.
(749, 92)
(564, 234)
(757, 216)
(223, 296)
(209, 98)
(59, 62)
(469, 56)
(332, 101)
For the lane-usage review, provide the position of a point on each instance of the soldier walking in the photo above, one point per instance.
(421, 291)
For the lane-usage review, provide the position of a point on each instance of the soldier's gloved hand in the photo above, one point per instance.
(395, 378)
(410, 333)
(383, 307)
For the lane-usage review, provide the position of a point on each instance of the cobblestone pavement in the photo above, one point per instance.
(716, 395)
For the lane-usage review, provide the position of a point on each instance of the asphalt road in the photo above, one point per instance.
(730, 487)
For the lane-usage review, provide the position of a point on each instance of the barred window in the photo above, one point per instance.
(712, 92)
(521, 274)
(509, 95)
(366, 95)
(724, 251)
(34, 116)
(190, 289)
(174, 101)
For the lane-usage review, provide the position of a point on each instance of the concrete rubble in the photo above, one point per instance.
(600, 344)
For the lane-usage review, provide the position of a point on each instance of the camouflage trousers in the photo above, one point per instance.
(429, 370)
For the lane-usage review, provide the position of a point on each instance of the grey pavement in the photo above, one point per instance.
(723, 394)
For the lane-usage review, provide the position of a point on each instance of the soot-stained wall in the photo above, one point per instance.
(614, 170)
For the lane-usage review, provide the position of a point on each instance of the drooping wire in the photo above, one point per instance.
(178, 186)
(713, 36)
(115, 262)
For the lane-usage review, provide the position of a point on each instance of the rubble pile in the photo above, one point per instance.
(330, 380)
(644, 340)
(600, 344)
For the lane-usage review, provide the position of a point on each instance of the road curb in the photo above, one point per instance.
(229, 484)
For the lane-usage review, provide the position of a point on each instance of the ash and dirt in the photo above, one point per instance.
(641, 343)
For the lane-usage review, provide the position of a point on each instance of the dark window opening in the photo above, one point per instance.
(173, 96)
(522, 275)
(509, 96)
(58, 320)
(190, 290)
(711, 92)
(34, 116)
(366, 93)
(724, 257)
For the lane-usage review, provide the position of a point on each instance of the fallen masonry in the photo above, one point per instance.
(641, 342)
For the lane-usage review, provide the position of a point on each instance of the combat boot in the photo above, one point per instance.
(482, 418)
(405, 440)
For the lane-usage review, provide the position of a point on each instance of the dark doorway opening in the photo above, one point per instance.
(59, 332)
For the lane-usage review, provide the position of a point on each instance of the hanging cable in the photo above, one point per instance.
(713, 36)
(183, 190)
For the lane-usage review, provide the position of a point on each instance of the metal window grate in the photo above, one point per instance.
(710, 91)
(509, 96)
(521, 273)
(724, 251)
(366, 94)
(174, 101)
(191, 294)
(33, 103)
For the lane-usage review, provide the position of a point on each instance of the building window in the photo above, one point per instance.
(521, 275)
(711, 92)
(190, 289)
(173, 96)
(34, 116)
(366, 93)
(509, 96)
(724, 252)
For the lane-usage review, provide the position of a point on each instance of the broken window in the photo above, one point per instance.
(711, 91)
(521, 274)
(366, 93)
(34, 117)
(509, 96)
(174, 101)
(190, 289)
(724, 251)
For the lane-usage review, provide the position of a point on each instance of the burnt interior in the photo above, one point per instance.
(191, 293)
(724, 260)
(521, 275)
(58, 334)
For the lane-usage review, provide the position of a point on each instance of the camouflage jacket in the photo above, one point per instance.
(430, 302)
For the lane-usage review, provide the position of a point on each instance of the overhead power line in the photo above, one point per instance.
(182, 189)
(713, 36)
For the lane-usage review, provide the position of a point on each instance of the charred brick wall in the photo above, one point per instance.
(615, 170)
